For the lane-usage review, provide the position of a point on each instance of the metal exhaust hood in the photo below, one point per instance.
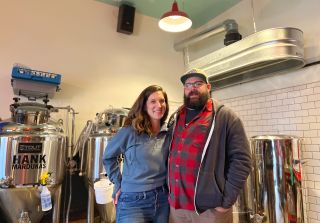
(259, 55)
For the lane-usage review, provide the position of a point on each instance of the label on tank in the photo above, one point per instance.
(29, 157)
(30, 148)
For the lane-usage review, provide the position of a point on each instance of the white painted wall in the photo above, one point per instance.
(286, 103)
(78, 39)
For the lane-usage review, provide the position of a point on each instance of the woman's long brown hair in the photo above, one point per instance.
(138, 117)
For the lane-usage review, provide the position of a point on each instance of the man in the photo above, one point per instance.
(209, 159)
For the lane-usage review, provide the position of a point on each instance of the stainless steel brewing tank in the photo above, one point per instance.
(276, 179)
(94, 170)
(28, 151)
(106, 125)
(95, 147)
(30, 144)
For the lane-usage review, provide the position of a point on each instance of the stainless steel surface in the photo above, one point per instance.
(56, 192)
(225, 26)
(107, 211)
(96, 145)
(30, 145)
(94, 139)
(91, 146)
(110, 120)
(70, 129)
(13, 201)
(242, 209)
(256, 56)
(94, 168)
(91, 204)
(29, 113)
(25, 167)
(276, 179)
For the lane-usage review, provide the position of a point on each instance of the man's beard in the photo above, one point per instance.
(198, 103)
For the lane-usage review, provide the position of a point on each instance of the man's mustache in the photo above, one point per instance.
(193, 93)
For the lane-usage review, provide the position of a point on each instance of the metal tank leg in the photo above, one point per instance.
(90, 211)
(57, 205)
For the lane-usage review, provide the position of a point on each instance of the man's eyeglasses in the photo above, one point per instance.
(196, 84)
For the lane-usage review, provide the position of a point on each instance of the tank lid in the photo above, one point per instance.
(30, 112)
(29, 106)
(103, 129)
(16, 128)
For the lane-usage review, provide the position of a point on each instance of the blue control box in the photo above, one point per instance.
(35, 75)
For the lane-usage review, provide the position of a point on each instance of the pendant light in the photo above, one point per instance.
(175, 20)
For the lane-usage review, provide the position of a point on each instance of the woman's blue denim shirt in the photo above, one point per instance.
(144, 164)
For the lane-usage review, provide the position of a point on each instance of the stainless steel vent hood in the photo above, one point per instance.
(256, 56)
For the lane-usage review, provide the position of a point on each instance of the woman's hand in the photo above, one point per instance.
(116, 197)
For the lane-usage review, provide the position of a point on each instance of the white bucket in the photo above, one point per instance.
(103, 191)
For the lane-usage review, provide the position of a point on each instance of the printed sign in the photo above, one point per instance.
(29, 157)
(30, 148)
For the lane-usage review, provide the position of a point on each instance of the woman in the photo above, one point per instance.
(140, 192)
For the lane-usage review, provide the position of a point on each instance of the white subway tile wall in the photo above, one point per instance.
(291, 111)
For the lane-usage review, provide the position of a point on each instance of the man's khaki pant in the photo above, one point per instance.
(209, 216)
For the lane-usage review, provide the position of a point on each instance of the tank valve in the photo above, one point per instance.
(24, 217)
(257, 218)
(6, 182)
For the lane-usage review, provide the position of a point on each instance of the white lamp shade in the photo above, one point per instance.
(175, 23)
(175, 20)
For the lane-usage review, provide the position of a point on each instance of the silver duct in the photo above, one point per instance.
(228, 26)
(261, 54)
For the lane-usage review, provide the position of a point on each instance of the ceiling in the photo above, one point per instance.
(200, 11)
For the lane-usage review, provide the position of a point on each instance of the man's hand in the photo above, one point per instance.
(221, 209)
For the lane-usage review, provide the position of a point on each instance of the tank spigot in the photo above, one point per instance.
(257, 218)
(24, 217)
(72, 166)
(6, 183)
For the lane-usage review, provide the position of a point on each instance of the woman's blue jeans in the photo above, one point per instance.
(143, 207)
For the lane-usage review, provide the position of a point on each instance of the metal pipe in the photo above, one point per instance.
(57, 205)
(70, 143)
(225, 26)
(70, 197)
(91, 201)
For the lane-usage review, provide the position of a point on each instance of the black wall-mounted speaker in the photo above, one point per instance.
(126, 19)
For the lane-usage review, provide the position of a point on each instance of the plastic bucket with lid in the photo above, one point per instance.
(103, 191)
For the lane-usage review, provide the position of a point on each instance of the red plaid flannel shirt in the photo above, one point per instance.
(185, 156)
